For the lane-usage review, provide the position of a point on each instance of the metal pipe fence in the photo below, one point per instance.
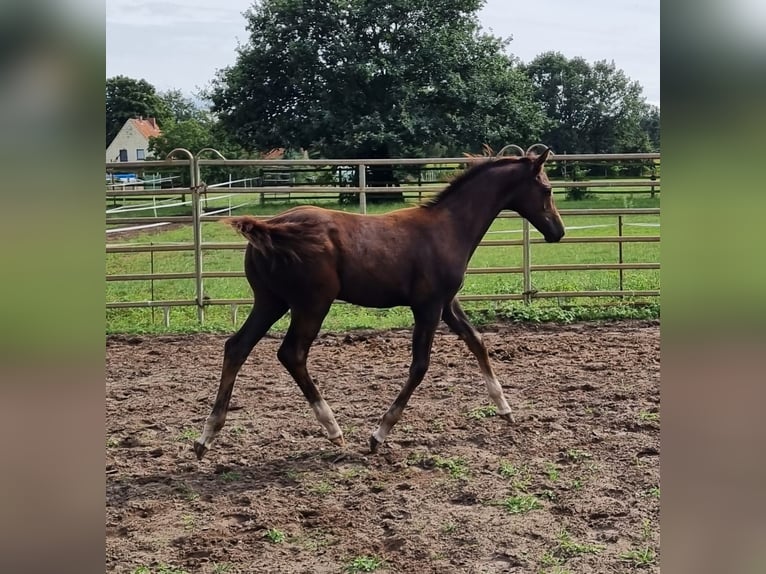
(200, 195)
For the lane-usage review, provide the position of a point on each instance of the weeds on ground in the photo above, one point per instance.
(275, 536)
(188, 434)
(456, 466)
(641, 557)
(363, 564)
(567, 547)
(521, 504)
(484, 412)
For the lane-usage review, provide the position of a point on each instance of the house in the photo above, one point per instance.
(132, 141)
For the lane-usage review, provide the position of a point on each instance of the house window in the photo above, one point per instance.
(123, 155)
(140, 154)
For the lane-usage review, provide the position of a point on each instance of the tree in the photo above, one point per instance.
(356, 78)
(590, 108)
(650, 123)
(129, 98)
(181, 108)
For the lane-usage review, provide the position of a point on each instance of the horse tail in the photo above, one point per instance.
(282, 240)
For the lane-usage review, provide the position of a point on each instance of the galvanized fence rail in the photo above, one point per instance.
(199, 194)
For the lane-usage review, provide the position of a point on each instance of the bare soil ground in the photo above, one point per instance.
(572, 487)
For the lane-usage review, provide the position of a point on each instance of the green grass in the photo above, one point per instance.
(344, 317)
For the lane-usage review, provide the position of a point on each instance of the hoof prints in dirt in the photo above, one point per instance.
(572, 486)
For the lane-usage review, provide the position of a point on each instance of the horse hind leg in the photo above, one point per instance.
(426, 321)
(293, 354)
(457, 321)
(265, 313)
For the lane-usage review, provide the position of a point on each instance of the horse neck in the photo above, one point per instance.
(474, 206)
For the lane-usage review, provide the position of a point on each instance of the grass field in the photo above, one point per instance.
(343, 316)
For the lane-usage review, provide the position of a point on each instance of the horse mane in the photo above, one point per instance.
(485, 163)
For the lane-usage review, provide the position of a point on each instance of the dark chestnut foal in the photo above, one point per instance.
(305, 258)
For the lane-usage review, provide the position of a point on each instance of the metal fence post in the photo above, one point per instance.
(526, 262)
(362, 187)
(619, 248)
(197, 229)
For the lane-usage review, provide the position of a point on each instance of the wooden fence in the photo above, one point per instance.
(200, 194)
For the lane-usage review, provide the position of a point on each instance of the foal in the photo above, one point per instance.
(307, 257)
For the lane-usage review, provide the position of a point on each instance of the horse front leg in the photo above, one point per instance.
(265, 313)
(426, 321)
(457, 321)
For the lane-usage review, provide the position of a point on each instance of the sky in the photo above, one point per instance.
(181, 43)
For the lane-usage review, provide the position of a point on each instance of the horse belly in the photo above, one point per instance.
(368, 288)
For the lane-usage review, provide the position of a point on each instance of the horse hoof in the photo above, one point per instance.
(508, 417)
(374, 444)
(199, 449)
(338, 441)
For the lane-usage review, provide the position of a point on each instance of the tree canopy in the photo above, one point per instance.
(356, 78)
(591, 108)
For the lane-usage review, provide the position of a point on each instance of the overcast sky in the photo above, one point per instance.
(181, 43)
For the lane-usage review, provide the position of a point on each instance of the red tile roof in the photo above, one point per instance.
(147, 127)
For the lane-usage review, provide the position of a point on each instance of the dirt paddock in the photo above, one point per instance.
(571, 487)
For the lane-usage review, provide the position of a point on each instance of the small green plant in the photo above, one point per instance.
(187, 492)
(552, 471)
(229, 476)
(577, 455)
(484, 412)
(646, 529)
(321, 487)
(188, 521)
(521, 504)
(275, 536)
(188, 434)
(141, 570)
(647, 416)
(552, 564)
(364, 564)
(437, 425)
(549, 494)
(508, 469)
(576, 483)
(221, 568)
(518, 475)
(112, 442)
(653, 492)
(449, 528)
(237, 431)
(456, 467)
(640, 557)
(567, 547)
(293, 474)
(352, 472)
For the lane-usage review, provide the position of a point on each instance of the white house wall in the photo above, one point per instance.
(128, 138)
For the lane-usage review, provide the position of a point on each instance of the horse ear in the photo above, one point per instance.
(540, 160)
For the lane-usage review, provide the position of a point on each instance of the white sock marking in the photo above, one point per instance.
(324, 415)
(496, 394)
